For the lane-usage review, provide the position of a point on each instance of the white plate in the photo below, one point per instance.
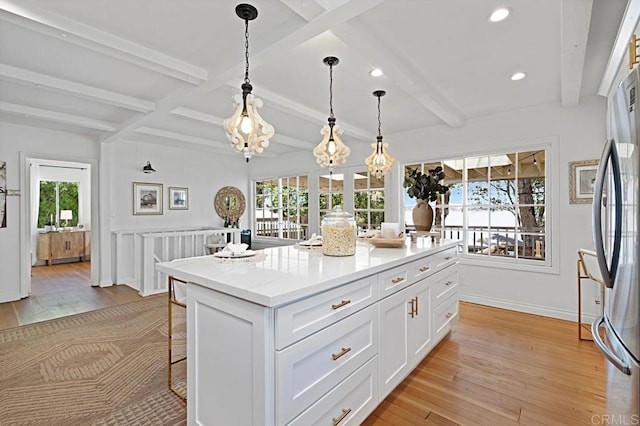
(237, 255)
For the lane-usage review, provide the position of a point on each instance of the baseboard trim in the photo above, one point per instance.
(526, 308)
(153, 292)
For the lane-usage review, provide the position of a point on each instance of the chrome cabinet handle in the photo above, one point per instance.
(397, 280)
(345, 413)
(617, 362)
(341, 304)
(339, 354)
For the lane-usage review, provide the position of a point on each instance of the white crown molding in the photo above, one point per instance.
(20, 75)
(36, 19)
(58, 117)
(575, 19)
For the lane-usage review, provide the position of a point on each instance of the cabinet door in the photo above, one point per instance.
(420, 338)
(75, 247)
(394, 355)
(59, 246)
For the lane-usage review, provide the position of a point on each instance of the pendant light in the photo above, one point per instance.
(246, 129)
(331, 151)
(379, 162)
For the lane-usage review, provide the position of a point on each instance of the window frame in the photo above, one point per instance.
(547, 144)
(281, 208)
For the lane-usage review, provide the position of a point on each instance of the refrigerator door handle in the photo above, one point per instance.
(608, 274)
(617, 362)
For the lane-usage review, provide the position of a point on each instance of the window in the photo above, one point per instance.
(282, 208)
(54, 197)
(330, 193)
(497, 204)
(368, 200)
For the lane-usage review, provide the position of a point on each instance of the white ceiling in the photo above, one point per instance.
(164, 71)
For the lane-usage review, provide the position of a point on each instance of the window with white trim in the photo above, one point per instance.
(497, 204)
(368, 199)
(330, 193)
(281, 208)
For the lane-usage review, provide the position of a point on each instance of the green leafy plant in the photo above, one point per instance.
(425, 186)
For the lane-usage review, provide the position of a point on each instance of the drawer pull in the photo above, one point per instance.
(448, 258)
(413, 308)
(416, 305)
(345, 413)
(341, 304)
(448, 315)
(339, 354)
(448, 283)
(424, 269)
(397, 280)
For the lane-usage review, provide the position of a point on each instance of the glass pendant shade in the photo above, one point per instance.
(246, 129)
(379, 162)
(331, 151)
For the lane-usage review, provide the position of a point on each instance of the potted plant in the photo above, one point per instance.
(424, 187)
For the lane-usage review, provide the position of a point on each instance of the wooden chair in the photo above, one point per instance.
(178, 297)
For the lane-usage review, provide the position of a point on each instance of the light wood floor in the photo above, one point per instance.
(501, 367)
(61, 290)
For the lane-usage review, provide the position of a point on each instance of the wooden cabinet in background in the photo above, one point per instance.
(64, 245)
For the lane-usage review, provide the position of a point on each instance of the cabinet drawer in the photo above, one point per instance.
(312, 367)
(423, 268)
(445, 258)
(300, 319)
(395, 279)
(349, 403)
(444, 315)
(445, 283)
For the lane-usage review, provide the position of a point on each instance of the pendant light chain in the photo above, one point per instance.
(379, 124)
(331, 91)
(246, 51)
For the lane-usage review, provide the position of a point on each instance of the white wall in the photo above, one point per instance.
(580, 134)
(201, 171)
(38, 143)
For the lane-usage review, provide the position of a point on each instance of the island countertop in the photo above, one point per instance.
(279, 275)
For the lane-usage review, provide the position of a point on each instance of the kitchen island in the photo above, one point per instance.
(294, 337)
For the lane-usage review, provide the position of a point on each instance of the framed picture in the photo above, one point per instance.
(582, 180)
(147, 198)
(178, 198)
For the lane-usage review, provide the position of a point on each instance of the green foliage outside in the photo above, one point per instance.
(67, 192)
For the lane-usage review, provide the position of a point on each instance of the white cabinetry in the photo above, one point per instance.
(321, 355)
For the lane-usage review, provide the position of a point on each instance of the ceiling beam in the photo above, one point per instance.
(575, 19)
(219, 122)
(273, 49)
(152, 131)
(20, 75)
(402, 72)
(299, 110)
(57, 26)
(58, 117)
(619, 52)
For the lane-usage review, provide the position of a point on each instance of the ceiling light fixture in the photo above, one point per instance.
(518, 76)
(376, 72)
(331, 151)
(499, 14)
(148, 169)
(246, 129)
(379, 162)
(534, 159)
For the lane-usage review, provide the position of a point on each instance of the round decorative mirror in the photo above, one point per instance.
(230, 203)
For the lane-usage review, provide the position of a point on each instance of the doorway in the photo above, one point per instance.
(59, 202)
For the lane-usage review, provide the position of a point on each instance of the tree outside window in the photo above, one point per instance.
(56, 196)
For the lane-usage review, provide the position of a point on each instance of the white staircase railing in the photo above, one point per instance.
(138, 251)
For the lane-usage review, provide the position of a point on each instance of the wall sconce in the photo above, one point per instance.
(148, 169)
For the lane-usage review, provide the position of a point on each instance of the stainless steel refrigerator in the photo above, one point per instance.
(616, 215)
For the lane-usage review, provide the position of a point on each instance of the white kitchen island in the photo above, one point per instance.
(295, 337)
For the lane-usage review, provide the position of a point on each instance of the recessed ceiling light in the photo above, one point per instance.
(518, 76)
(376, 72)
(499, 14)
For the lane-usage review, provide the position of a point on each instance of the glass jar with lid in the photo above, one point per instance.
(338, 233)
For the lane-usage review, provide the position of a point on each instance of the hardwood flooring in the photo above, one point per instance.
(61, 290)
(500, 367)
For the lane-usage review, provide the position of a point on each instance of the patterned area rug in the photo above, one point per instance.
(106, 367)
